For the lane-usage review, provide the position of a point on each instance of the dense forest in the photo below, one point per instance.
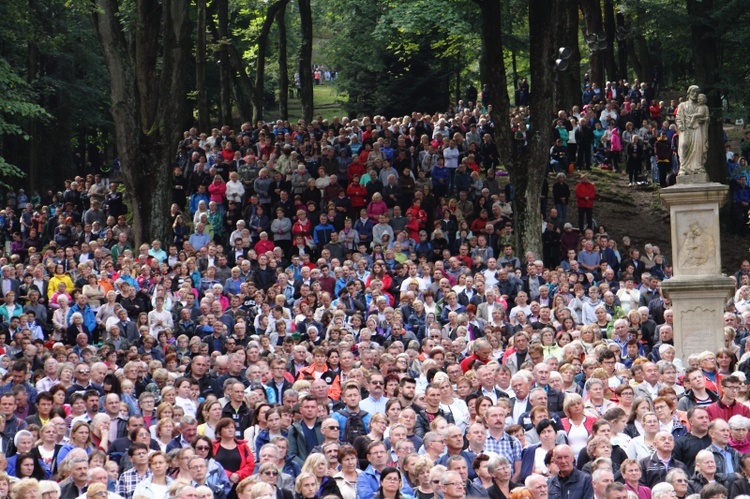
(88, 82)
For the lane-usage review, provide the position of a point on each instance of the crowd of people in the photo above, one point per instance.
(342, 312)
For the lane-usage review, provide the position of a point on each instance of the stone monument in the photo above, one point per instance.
(697, 289)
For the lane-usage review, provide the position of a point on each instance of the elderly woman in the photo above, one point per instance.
(76, 327)
(97, 491)
(306, 486)
(596, 404)
(28, 488)
(500, 470)
(678, 479)
(47, 489)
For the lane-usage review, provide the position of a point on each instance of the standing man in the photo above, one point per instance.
(654, 468)
(236, 409)
(585, 195)
(368, 483)
(501, 443)
(698, 439)
(352, 413)
(305, 435)
(129, 480)
(431, 411)
(376, 401)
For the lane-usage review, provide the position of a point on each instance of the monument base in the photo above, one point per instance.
(698, 306)
(695, 178)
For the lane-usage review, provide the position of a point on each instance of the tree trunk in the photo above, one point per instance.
(568, 90)
(592, 14)
(305, 60)
(530, 164)
(260, 66)
(622, 49)
(204, 119)
(707, 62)
(610, 28)
(494, 71)
(32, 176)
(283, 64)
(225, 79)
(146, 143)
(640, 58)
(241, 85)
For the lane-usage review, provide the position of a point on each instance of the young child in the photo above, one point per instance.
(184, 398)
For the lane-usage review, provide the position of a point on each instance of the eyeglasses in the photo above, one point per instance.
(393, 479)
(271, 473)
(202, 447)
(680, 480)
(453, 484)
(732, 387)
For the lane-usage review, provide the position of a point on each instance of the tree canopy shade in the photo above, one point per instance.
(16, 109)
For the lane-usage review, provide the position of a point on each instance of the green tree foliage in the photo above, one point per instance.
(17, 108)
(395, 57)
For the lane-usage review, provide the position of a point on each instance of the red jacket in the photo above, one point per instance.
(357, 194)
(718, 410)
(585, 190)
(247, 461)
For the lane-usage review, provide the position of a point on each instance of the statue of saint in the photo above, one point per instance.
(692, 123)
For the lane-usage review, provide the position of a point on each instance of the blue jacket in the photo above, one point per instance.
(342, 422)
(441, 174)
(322, 233)
(368, 483)
(89, 319)
(577, 485)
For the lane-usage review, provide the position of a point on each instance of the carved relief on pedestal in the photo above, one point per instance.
(697, 247)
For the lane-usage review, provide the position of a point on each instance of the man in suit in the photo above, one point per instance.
(10, 283)
(484, 309)
(554, 397)
(119, 447)
(469, 295)
(521, 403)
(532, 282)
(487, 386)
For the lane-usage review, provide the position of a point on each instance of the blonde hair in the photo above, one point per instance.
(25, 486)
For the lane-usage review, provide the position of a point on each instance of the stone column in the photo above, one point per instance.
(698, 289)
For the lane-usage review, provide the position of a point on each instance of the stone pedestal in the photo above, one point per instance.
(698, 290)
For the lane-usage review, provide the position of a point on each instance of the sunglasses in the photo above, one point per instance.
(381, 383)
(202, 447)
(271, 473)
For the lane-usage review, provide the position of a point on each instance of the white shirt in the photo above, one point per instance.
(373, 406)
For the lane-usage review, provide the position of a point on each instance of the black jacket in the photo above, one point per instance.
(422, 424)
(655, 472)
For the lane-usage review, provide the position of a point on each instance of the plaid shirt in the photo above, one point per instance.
(506, 445)
(128, 481)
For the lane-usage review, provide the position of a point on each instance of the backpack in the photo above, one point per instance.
(355, 425)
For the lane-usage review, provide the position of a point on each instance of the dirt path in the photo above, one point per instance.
(638, 213)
